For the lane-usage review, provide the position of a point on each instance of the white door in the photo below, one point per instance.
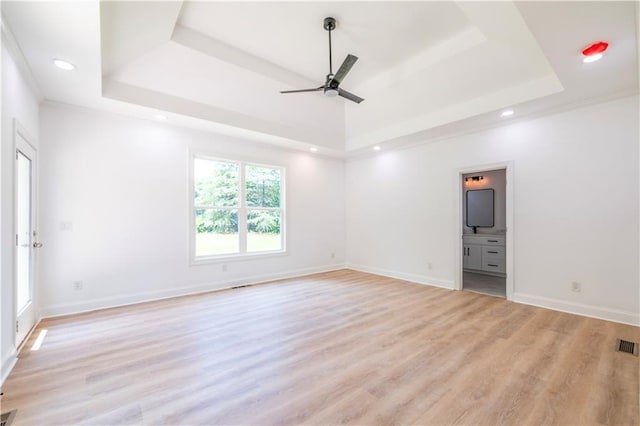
(25, 233)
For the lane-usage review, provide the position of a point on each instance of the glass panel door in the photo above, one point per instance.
(23, 230)
(25, 214)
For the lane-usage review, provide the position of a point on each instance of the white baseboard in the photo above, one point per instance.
(625, 317)
(414, 278)
(112, 302)
(7, 364)
(12, 358)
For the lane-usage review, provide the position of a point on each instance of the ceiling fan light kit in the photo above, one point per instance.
(332, 93)
(331, 86)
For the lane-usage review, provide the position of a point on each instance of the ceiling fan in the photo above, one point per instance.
(331, 86)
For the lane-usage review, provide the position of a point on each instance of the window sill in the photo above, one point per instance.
(209, 260)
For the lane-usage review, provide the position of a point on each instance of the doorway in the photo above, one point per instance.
(25, 233)
(484, 229)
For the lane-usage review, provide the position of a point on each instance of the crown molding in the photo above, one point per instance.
(10, 42)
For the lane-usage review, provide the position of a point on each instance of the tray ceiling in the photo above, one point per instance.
(423, 66)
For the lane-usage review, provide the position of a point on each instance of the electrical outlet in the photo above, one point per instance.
(576, 287)
(224, 267)
(77, 285)
(333, 255)
(429, 265)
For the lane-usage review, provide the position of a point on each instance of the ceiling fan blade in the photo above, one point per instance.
(302, 90)
(345, 68)
(350, 96)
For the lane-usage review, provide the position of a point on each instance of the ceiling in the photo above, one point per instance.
(426, 69)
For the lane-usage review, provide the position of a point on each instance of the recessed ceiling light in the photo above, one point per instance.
(376, 148)
(313, 149)
(506, 113)
(161, 117)
(592, 58)
(64, 65)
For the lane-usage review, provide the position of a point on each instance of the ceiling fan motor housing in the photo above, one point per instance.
(331, 83)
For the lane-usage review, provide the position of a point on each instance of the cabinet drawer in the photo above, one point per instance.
(473, 239)
(493, 252)
(493, 241)
(494, 265)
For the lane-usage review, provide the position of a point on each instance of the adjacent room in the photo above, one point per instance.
(229, 212)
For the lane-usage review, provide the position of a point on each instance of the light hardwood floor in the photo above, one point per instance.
(340, 347)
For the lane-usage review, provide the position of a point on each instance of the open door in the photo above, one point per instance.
(25, 234)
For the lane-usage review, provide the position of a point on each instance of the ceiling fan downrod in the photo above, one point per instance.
(330, 25)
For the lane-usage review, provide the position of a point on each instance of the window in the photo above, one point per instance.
(237, 208)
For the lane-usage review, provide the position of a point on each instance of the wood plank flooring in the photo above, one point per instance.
(340, 347)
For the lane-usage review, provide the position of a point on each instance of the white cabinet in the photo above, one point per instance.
(484, 253)
(472, 258)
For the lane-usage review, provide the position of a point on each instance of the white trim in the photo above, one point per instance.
(398, 143)
(23, 142)
(591, 311)
(19, 58)
(24, 342)
(414, 278)
(149, 296)
(243, 230)
(7, 365)
(615, 315)
(242, 209)
(509, 215)
(191, 252)
(241, 257)
(10, 361)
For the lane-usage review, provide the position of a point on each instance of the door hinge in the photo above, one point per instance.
(16, 239)
(17, 326)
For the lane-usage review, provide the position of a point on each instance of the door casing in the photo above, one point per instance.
(26, 319)
(509, 249)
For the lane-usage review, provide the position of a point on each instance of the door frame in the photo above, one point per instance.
(509, 222)
(20, 131)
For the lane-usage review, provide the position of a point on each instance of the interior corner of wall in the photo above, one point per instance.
(8, 362)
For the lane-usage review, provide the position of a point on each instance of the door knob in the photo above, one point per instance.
(37, 245)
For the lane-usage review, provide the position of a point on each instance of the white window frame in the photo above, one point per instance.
(242, 209)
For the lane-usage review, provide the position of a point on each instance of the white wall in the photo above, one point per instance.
(575, 208)
(122, 184)
(18, 102)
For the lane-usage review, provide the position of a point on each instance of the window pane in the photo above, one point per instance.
(216, 232)
(263, 186)
(23, 230)
(264, 230)
(216, 183)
